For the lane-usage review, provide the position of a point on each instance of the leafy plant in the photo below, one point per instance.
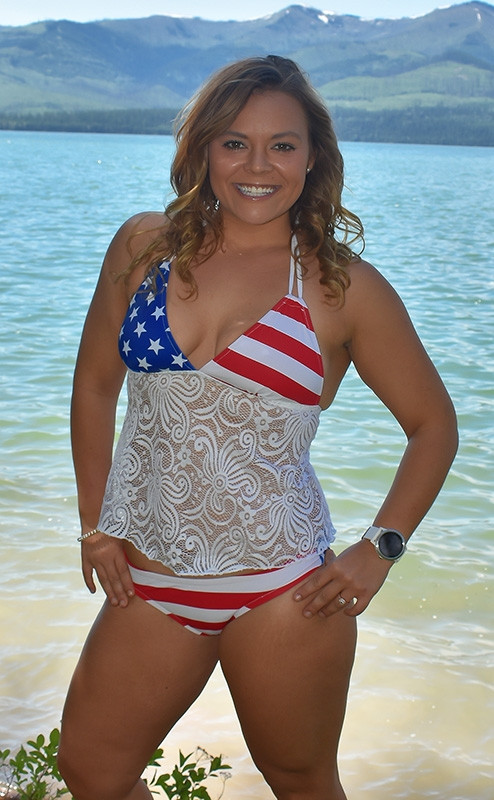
(187, 780)
(32, 773)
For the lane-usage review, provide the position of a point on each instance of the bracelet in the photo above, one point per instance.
(88, 534)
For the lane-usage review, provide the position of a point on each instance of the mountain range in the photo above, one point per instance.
(428, 78)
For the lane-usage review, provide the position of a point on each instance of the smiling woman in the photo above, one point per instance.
(195, 230)
(258, 171)
(235, 316)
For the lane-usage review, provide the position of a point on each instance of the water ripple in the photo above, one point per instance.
(419, 707)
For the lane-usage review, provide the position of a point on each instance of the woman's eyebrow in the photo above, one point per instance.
(281, 135)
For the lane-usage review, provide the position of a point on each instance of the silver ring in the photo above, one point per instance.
(341, 600)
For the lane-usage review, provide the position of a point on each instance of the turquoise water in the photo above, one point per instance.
(420, 709)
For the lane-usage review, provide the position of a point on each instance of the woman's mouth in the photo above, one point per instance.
(250, 190)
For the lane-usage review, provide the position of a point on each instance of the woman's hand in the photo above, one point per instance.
(354, 576)
(105, 554)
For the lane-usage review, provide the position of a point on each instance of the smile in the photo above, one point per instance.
(255, 191)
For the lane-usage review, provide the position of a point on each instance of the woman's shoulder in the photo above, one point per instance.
(132, 238)
(367, 284)
(362, 271)
(139, 231)
(371, 302)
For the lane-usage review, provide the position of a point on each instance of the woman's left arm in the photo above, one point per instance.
(391, 360)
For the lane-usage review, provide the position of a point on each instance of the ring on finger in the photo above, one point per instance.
(341, 600)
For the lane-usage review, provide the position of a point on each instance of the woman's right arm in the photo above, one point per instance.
(98, 379)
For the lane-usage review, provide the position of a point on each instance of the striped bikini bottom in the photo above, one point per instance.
(206, 605)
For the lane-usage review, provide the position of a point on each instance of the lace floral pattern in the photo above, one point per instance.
(209, 479)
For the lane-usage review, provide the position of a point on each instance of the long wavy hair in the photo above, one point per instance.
(192, 229)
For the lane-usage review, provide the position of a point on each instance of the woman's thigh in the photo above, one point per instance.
(289, 678)
(138, 673)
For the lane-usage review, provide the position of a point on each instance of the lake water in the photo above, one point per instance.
(419, 721)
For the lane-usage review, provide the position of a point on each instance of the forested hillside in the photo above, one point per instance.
(428, 79)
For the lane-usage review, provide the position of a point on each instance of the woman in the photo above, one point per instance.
(236, 315)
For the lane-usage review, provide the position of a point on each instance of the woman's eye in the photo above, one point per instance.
(285, 147)
(233, 144)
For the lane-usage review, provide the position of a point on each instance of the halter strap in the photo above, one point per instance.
(295, 269)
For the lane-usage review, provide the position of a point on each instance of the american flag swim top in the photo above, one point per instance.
(279, 355)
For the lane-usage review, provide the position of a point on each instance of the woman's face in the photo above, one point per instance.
(257, 168)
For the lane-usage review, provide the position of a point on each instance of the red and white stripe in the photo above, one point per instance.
(279, 354)
(206, 605)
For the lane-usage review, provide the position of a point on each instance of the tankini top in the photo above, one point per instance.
(211, 473)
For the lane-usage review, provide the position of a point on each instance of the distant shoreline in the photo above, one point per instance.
(427, 79)
(464, 125)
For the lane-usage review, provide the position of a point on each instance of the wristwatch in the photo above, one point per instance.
(390, 544)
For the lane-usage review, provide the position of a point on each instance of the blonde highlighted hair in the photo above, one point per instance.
(192, 229)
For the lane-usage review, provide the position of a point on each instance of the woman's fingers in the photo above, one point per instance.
(113, 588)
(352, 607)
(331, 601)
(343, 583)
(106, 557)
(317, 581)
(322, 590)
(87, 572)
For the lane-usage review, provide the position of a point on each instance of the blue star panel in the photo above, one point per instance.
(146, 343)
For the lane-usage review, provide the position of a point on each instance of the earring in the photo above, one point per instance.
(216, 205)
(307, 170)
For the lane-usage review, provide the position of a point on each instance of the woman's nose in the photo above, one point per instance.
(258, 160)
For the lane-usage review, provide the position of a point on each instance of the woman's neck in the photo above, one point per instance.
(239, 238)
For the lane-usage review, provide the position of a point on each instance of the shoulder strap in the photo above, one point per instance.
(295, 269)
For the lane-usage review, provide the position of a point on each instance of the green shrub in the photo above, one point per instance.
(32, 773)
(187, 779)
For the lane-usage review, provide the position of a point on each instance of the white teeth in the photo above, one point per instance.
(255, 191)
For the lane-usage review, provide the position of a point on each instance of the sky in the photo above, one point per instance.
(22, 12)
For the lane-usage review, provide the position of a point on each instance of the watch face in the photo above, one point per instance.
(391, 544)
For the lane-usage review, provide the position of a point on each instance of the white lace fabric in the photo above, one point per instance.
(209, 479)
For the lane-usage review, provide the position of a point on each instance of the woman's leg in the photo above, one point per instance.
(289, 677)
(138, 673)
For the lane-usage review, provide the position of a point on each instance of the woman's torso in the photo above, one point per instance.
(234, 293)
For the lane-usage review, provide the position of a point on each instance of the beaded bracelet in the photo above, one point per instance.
(88, 534)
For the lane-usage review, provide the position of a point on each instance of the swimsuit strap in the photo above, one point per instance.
(295, 268)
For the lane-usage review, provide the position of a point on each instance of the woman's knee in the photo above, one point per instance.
(79, 778)
(87, 780)
(290, 782)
